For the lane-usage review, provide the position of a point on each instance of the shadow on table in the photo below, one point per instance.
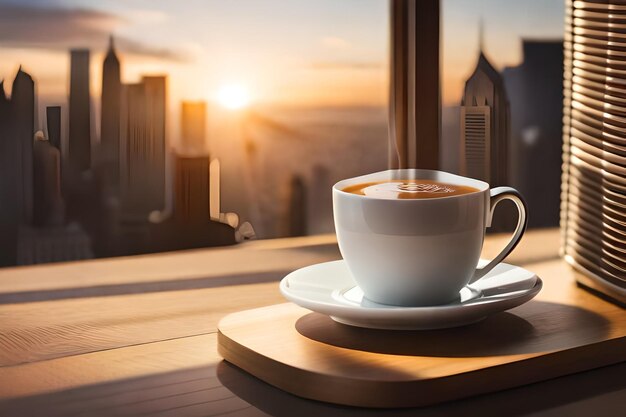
(143, 287)
(546, 398)
(223, 389)
(184, 393)
(546, 327)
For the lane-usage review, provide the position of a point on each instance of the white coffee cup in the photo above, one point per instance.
(417, 252)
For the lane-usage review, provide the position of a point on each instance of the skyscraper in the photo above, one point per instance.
(49, 209)
(195, 219)
(319, 208)
(133, 164)
(484, 147)
(5, 134)
(49, 239)
(110, 115)
(485, 125)
(53, 122)
(191, 188)
(536, 97)
(296, 215)
(80, 124)
(155, 96)
(193, 122)
(17, 118)
(4, 103)
(142, 158)
(23, 117)
(190, 225)
(8, 234)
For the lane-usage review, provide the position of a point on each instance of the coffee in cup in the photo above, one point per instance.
(413, 237)
(408, 189)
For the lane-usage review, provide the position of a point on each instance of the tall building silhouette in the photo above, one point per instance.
(49, 238)
(23, 115)
(17, 119)
(190, 225)
(195, 219)
(142, 141)
(297, 215)
(80, 123)
(7, 208)
(193, 122)
(191, 188)
(485, 125)
(319, 208)
(49, 209)
(484, 144)
(53, 122)
(53, 209)
(110, 114)
(536, 97)
(4, 107)
(156, 100)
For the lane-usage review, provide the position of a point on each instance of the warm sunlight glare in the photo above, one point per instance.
(233, 96)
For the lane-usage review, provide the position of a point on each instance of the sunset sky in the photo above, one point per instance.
(297, 52)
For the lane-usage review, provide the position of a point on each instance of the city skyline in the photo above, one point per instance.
(81, 198)
(137, 150)
(302, 61)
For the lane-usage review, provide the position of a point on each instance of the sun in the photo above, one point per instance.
(233, 96)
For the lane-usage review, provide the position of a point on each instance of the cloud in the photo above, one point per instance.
(147, 16)
(49, 27)
(346, 65)
(137, 48)
(334, 42)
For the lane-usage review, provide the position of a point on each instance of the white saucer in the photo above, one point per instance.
(329, 288)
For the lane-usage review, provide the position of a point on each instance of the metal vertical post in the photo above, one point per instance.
(414, 96)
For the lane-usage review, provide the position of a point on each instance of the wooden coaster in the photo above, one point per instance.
(310, 355)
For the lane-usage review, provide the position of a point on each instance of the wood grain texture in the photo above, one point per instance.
(34, 331)
(143, 273)
(170, 378)
(40, 331)
(582, 395)
(70, 372)
(184, 377)
(134, 336)
(251, 258)
(563, 331)
(111, 355)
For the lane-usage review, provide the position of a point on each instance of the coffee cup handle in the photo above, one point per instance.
(498, 194)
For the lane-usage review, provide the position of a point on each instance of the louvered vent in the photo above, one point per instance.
(593, 197)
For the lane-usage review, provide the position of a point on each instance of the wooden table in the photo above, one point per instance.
(137, 336)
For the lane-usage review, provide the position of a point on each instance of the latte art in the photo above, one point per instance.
(414, 187)
(408, 189)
